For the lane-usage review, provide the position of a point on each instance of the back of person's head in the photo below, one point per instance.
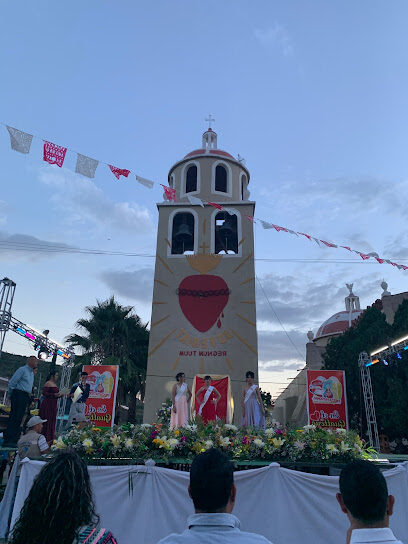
(250, 374)
(59, 503)
(84, 373)
(211, 481)
(364, 491)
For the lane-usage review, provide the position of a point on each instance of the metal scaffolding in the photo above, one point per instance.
(7, 290)
(364, 362)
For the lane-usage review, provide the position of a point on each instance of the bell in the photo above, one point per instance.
(183, 233)
(226, 229)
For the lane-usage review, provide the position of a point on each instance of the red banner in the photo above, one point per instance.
(326, 399)
(100, 406)
(222, 387)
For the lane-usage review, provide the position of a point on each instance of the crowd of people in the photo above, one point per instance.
(60, 507)
(20, 395)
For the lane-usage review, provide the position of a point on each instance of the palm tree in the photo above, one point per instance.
(113, 334)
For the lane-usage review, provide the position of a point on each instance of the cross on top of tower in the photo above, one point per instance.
(209, 120)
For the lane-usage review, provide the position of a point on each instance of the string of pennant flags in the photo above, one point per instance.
(55, 154)
(86, 166)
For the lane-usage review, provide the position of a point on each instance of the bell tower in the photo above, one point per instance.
(203, 310)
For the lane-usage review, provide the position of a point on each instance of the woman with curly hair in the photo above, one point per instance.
(59, 508)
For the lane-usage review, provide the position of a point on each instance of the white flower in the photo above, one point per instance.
(225, 441)
(87, 443)
(270, 431)
(259, 443)
(404, 442)
(59, 444)
(192, 428)
(172, 443)
(277, 442)
(357, 448)
(128, 443)
(344, 446)
(116, 440)
(230, 427)
(299, 445)
(308, 428)
(332, 448)
(208, 444)
(341, 431)
(393, 445)
(145, 426)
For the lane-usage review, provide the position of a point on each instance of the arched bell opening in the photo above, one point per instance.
(182, 239)
(226, 233)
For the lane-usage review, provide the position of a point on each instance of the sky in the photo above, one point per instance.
(314, 96)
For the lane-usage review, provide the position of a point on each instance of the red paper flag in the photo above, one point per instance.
(346, 247)
(117, 172)
(379, 260)
(54, 154)
(394, 264)
(404, 267)
(364, 256)
(277, 228)
(328, 244)
(307, 235)
(215, 205)
(250, 218)
(169, 192)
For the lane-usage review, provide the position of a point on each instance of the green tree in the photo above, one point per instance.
(389, 381)
(113, 334)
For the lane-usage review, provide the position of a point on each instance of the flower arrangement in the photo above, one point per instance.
(164, 413)
(157, 441)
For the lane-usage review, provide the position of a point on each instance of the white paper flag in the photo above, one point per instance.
(230, 211)
(146, 182)
(293, 232)
(266, 225)
(195, 200)
(86, 166)
(19, 140)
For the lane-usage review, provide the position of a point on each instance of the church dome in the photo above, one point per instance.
(211, 151)
(341, 321)
(337, 323)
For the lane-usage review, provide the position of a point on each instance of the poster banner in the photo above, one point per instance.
(223, 386)
(100, 406)
(326, 399)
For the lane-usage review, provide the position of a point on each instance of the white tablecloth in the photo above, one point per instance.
(286, 506)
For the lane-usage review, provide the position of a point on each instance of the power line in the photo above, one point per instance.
(277, 317)
(65, 249)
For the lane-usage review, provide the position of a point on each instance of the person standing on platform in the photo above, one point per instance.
(213, 493)
(77, 410)
(180, 396)
(364, 499)
(253, 412)
(208, 404)
(20, 388)
(48, 408)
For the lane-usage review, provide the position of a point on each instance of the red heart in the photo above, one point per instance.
(202, 299)
(315, 416)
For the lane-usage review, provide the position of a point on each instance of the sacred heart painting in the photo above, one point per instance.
(202, 299)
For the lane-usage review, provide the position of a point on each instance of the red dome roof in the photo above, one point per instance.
(337, 323)
(212, 151)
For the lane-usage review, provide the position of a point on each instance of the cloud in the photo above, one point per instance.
(136, 285)
(26, 245)
(3, 212)
(277, 353)
(83, 202)
(275, 36)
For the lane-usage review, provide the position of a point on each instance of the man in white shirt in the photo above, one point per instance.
(364, 499)
(213, 493)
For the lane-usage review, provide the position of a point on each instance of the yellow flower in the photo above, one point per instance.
(116, 440)
(176, 432)
(277, 442)
(96, 430)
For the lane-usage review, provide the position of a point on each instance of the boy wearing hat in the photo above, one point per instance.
(33, 443)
